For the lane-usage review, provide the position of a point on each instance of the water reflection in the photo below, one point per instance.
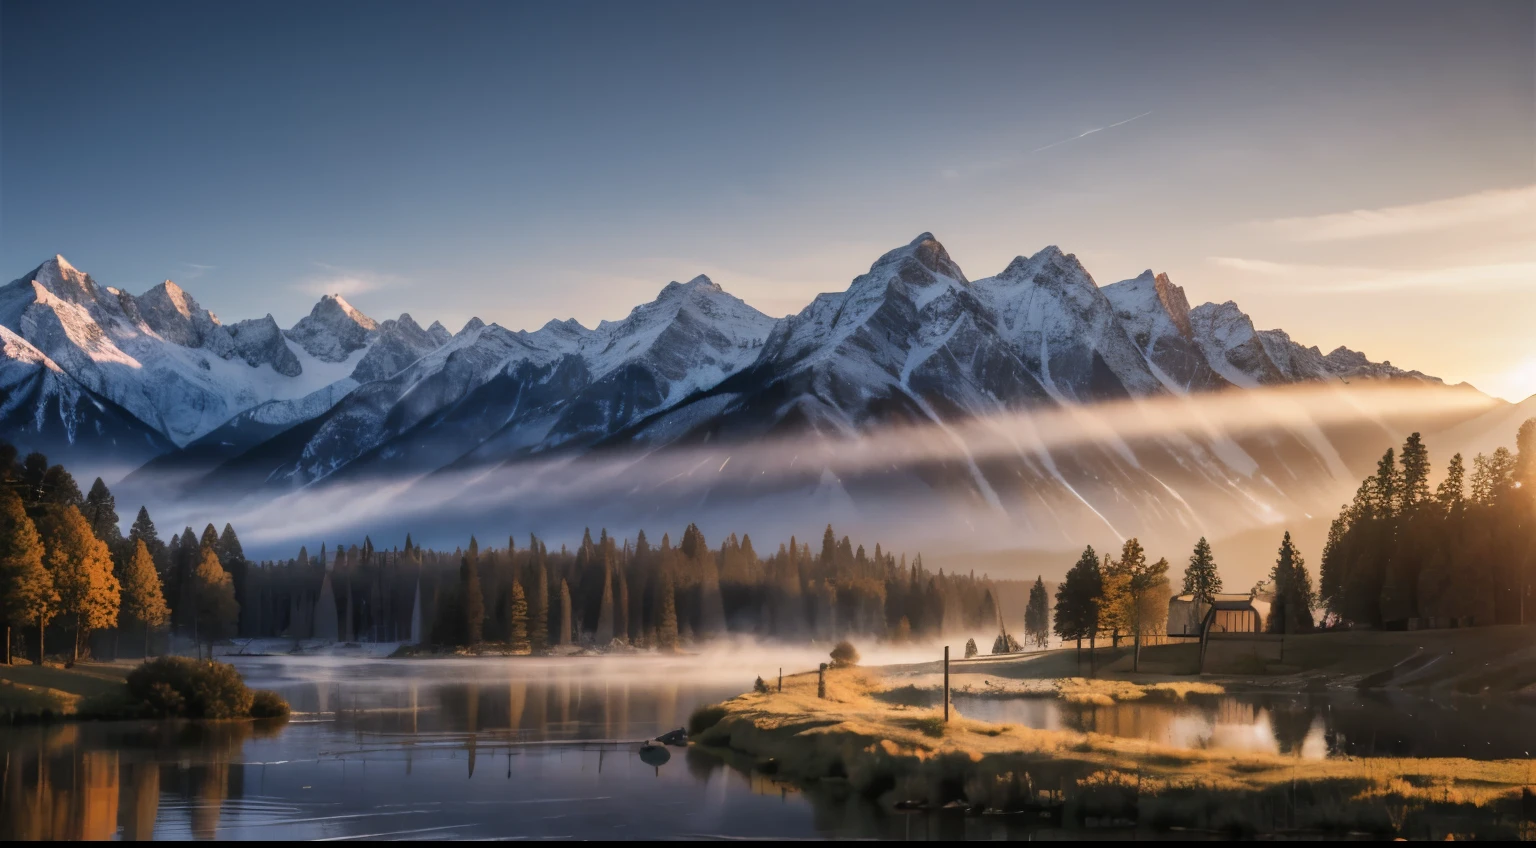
(536, 750)
(1308, 726)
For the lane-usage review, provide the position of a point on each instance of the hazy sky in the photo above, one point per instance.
(1355, 173)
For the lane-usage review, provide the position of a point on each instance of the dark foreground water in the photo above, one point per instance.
(528, 748)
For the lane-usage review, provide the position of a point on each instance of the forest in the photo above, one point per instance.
(68, 572)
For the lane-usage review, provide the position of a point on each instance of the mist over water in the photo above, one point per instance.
(878, 483)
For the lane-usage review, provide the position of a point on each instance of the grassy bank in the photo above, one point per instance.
(862, 738)
(88, 690)
(164, 688)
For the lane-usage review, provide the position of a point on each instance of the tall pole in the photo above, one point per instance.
(946, 684)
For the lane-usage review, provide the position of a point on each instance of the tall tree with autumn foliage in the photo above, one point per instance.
(81, 566)
(143, 598)
(27, 595)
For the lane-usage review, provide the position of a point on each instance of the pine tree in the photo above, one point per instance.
(1451, 493)
(667, 634)
(1387, 491)
(1415, 478)
(143, 529)
(81, 567)
(27, 594)
(1078, 598)
(517, 619)
(215, 608)
(604, 632)
(1200, 577)
(1037, 615)
(474, 601)
(1291, 611)
(538, 619)
(59, 488)
(100, 511)
(143, 600)
(565, 625)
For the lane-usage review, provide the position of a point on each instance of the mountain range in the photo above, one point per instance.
(158, 383)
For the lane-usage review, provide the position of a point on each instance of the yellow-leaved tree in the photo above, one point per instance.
(27, 596)
(81, 566)
(143, 597)
(213, 596)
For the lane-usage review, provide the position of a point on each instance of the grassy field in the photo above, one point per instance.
(863, 740)
(30, 692)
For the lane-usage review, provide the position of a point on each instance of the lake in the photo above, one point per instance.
(548, 748)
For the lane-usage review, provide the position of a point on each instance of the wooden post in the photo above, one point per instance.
(946, 684)
(821, 681)
(781, 678)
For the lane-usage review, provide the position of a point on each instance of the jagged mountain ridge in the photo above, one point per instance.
(911, 340)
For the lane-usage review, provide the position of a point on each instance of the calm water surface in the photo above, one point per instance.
(536, 748)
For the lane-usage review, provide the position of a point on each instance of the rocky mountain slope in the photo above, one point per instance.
(913, 342)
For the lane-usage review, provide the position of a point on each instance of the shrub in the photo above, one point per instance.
(704, 718)
(268, 704)
(177, 687)
(844, 654)
(760, 687)
(970, 648)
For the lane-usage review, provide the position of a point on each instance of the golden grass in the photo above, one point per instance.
(898, 752)
(30, 691)
(1105, 693)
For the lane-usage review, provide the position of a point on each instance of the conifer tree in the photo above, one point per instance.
(666, 631)
(143, 529)
(1415, 478)
(604, 632)
(1200, 577)
(474, 601)
(81, 567)
(1451, 493)
(1078, 598)
(215, 607)
(538, 618)
(27, 594)
(1387, 490)
(1037, 615)
(100, 511)
(1291, 611)
(565, 613)
(143, 600)
(517, 618)
(59, 488)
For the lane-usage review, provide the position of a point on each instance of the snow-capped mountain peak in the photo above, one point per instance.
(333, 330)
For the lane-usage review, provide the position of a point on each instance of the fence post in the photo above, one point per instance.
(946, 684)
(821, 681)
(781, 678)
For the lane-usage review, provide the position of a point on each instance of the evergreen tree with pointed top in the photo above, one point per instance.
(538, 619)
(100, 511)
(474, 601)
(1291, 611)
(517, 618)
(1078, 598)
(1037, 615)
(1200, 577)
(1415, 477)
(564, 631)
(143, 530)
(213, 595)
(667, 637)
(143, 599)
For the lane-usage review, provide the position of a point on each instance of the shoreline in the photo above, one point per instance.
(864, 739)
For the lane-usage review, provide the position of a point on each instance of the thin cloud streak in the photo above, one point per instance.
(1334, 279)
(1515, 206)
(195, 270)
(1090, 132)
(345, 282)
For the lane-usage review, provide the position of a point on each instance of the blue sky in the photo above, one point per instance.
(1356, 173)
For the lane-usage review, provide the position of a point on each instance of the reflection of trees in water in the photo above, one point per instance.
(1291, 722)
(84, 781)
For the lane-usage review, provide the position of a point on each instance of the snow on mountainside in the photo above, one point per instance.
(169, 362)
(911, 341)
(45, 409)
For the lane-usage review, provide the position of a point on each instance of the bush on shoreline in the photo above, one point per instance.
(177, 687)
